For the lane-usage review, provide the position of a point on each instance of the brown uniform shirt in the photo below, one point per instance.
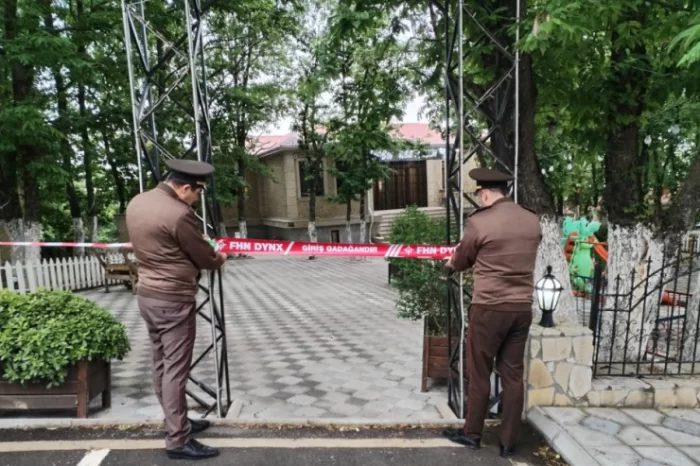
(168, 244)
(500, 242)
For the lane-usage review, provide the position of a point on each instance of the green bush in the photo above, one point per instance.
(42, 334)
(422, 284)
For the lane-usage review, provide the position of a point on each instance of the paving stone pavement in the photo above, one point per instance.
(621, 437)
(306, 339)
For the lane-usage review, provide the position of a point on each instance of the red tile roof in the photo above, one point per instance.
(420, 132)
(267, 145)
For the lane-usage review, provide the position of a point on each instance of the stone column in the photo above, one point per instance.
(559, 365)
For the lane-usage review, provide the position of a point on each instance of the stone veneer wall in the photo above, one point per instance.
(559, 372)
(559, 365)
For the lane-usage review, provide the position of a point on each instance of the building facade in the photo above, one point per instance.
(277, 206)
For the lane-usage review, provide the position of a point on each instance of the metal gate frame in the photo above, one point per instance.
(180, 64)
(504, 91)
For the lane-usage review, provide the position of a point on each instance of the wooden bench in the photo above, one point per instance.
(123, 269)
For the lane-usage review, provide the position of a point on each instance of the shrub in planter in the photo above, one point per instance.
(50, 339)
(423, 287)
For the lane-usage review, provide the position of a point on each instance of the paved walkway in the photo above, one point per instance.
(306, 339)
(621, 437)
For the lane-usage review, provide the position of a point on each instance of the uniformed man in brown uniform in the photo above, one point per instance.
(171, 251)
(500, 242)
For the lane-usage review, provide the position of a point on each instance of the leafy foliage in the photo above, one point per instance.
(689, 41)
(422, 285)
(43, 333)
(608, 75)
(633, 139)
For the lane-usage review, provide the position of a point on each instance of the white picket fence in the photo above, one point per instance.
(71, 274)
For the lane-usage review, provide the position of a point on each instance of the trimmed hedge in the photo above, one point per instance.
(42, 334)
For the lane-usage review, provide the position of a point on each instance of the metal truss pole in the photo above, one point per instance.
(459, 309)
(488, 115)
(171, 94)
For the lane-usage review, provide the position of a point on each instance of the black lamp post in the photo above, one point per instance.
(548, 291)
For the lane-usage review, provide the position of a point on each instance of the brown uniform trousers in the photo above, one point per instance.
(172, 329)
(501, 335)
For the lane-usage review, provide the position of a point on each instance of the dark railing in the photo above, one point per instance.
(647, 326)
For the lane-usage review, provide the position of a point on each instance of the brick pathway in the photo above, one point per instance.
(621, 437)
(306, 339)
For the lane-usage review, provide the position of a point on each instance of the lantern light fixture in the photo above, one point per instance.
(548, 291)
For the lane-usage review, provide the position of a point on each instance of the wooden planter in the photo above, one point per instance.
(435, 359)
(84, 382)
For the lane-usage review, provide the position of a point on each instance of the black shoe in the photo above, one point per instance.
(449, 433)
(457, 436)
(199, 425)
(507, 452)
(192, 450)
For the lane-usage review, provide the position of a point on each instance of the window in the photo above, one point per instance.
(306, 180)
(342, 168)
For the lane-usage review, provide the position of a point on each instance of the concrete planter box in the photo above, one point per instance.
(84, 382)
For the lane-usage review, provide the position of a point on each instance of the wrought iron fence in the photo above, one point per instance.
(582, 286)
(646, 325)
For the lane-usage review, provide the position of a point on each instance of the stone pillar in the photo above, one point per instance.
(558, 365)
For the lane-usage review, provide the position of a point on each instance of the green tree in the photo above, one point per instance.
(313, 113)
(370, 66)
(249, 65)
(618, 52)
(27, 147)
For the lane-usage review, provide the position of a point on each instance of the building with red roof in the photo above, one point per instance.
(277, 207)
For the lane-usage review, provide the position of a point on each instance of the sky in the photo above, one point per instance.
(412, 115)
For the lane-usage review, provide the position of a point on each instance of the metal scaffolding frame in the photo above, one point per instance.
(177, 77)
(484, 117)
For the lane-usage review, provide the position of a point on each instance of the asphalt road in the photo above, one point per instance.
(313, 447)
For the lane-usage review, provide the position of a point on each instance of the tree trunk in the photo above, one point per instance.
(634, 255)
(11, 222)
(119, 183)
(623, 196)
(681, 216)
(632, 247)
(32, 215)
(691, 332)
(242, 226)
(551, 253)
(595, 194)
(26, 225)
(11, 228)
(92, 207)
(64, 126)
(348, 227)
(533, 193)
(363, 218)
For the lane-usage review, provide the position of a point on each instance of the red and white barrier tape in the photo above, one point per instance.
(288, 248)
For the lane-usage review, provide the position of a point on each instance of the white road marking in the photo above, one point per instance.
(132, 444)
(94, 458)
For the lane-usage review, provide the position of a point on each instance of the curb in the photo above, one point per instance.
(135, 423)
(563, 443)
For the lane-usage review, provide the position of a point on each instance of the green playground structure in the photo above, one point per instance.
(582, 249)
